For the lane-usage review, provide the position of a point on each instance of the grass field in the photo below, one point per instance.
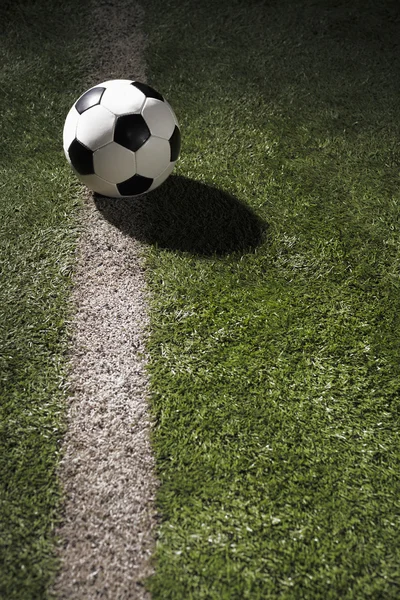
(273, 261)
(39, 79)
(275, 371)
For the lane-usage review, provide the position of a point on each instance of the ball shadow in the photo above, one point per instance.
(186, 215)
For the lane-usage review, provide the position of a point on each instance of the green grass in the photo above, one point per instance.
(275, 370)
(39, 79)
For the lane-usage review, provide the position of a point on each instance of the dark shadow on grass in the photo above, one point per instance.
(186, 215)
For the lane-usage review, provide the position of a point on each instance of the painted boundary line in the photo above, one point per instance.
(107, 470)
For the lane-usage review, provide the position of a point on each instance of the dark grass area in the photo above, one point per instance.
(275, 370)
(189, 216)
(40, 65)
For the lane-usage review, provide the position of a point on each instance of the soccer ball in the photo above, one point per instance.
(122, 138)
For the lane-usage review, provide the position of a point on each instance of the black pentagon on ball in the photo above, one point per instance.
(81, 158)
(175, 144)
(89, 99)
(131, 132)
(147, 90)
(134, 186)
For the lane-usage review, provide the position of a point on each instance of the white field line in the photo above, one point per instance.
(107, 471)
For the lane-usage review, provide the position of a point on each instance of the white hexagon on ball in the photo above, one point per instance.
(114, 163)
(153, 157)
(70, 126)
(114, 83)
(159, 118)
(97, 184)
(161, 178)
(95, 127)
(123, 99)
(172, 113)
